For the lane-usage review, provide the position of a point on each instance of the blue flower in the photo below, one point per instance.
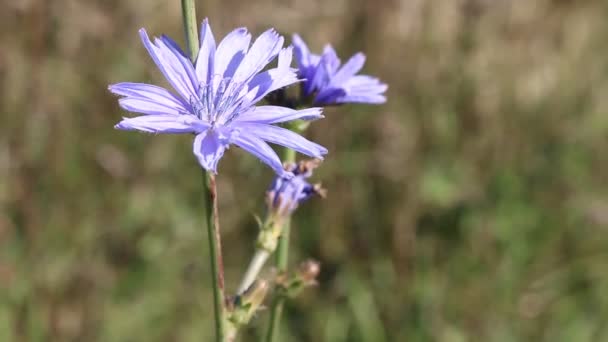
(331, 84)
(285, 194)
(216, 97)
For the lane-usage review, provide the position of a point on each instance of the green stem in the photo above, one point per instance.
(190, 27)
(215, 251)
(289, 156)
(278, 302)
(255, 266)
(210, 196)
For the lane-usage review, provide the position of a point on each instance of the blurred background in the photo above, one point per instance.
(471, 207)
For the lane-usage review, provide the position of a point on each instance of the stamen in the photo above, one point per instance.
(220, 101)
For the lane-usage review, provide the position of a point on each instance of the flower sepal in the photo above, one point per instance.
(243, 307)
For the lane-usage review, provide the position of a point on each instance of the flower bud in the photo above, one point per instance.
(285, 194)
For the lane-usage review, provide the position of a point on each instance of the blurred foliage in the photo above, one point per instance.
(471, 207)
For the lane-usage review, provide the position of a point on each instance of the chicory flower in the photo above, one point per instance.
(215, 97)
(328, 82)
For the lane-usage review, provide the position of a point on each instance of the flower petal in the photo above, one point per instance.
(285, 57)
(163, 124)
(206, 54)
(268, 81)
(277, 114)
(301, 50)
(331, 59)
(363, 89)
(209, 149)
(307, 62)
(148, 99)
(324, 70)
(176, 53)
(264, 49)
(173, 45)
(284, 137)
(273, 79)
(372, 99)
(329, 96)
(169, 65)
(349, 69)
(231, 51)
(180, 63)
(145, 106)
(260, 149)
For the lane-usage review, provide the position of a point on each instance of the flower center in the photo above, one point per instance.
(219, 101)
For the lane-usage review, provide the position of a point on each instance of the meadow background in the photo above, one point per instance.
(473, 206)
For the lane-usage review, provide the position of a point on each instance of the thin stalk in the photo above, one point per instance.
(278, 302)
(255, 266)
(215, 251)
(289, 156)
(210, 196)
(190, 28)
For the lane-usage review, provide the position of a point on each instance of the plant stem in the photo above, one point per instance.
(289, 156)
(278, 302)
(255, 266)
(215, 251)
(210, 195)
(190, 27)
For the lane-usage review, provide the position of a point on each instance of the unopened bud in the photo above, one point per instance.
(285, 194)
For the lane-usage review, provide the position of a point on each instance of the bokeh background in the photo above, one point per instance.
(471, 207)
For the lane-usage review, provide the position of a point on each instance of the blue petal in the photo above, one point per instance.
(147, 107)
(365, 83)
(170, 65)
(349, 69)
(363, 89)
(263, 51)
(260, 149)
(329, 96)
(163, 124)
(273, 79)
(276, 114)
(174, 46)
(285, 57)
(209, 149)
(177, 54)
(307, 63)
(206, 54)
(323, 72)
(301, 51)
(231, 51)
(331, 59)
(362, 98)
(284, 137)
(147, 99)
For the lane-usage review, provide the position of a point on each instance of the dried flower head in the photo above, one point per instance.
(309, 270)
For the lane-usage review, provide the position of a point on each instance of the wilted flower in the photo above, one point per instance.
(308, 271)
(329, 83)
(285, 194)
(216, 97)
(306, 274)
